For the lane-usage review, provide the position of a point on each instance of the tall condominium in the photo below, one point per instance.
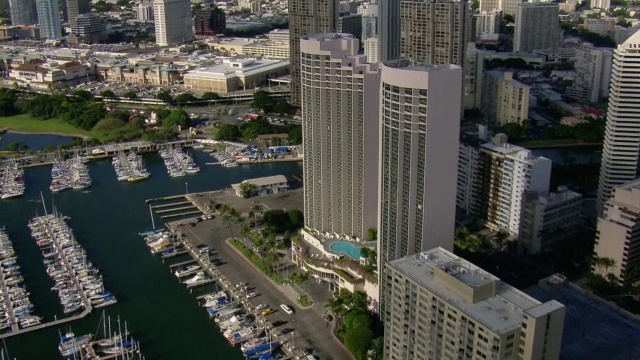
(441, 306)
(621, 151)
(144, 10)
(493, 179)
(49, 19)
(593, 73)
(488, 22)
(340, 107)
(418, 157)
(75, 8)
(23, 12)
(601, 4)
(389, 34)
(618, 234)
(173, 21)
(504, 99)
(434, 31)
(473, 76)
(508, 7)
(308, 17)
(537, 27)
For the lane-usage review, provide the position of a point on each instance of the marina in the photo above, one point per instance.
(12, 178)
(178, 162)
(16, 309)
(69, 174)
(129, 167)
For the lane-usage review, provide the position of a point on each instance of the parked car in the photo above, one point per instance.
(286, 309)
(267, 312)
(261, 306)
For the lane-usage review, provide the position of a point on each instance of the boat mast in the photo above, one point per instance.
(153, 224)
(43, 204)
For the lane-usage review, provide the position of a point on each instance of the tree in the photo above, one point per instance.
(295, 135)
(357, 318)
(177, 117)
(107, 94)
(17, 146)
(296, 219)
(83, 95)
(372, 234)
(358, 341)
(263, 101)
(131, 95)
(247, 189)
(210, 96)
(164, 96)
(8, 101)
(228, 132)
(465, 241)
(256, 209)
(282, 107)
(185, 98)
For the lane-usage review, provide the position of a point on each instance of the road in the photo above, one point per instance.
(310, 330)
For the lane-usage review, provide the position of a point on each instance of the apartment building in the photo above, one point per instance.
(473, 76)
(505, 6)
(537, 26)
(487, 22)
(593, 73)
(548, 219)
(601, 4)
(441, 306)
(621, 154)
(504, 99)
(371, 50)
(618, 234)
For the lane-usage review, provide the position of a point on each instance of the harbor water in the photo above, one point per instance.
(160, 312)
(34, 142)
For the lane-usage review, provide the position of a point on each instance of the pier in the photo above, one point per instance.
(165, 198)
(181, 214)
(83, 314)
(170, 205)
(176, 209)
(182, 263)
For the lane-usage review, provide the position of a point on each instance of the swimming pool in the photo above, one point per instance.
(347, 248)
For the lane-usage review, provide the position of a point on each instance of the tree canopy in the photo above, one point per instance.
(210, 96)
(130, 95)
(228, 132)
(177, 117)
(107, 93)
(185, 98)
(164, 96)
(8, 103)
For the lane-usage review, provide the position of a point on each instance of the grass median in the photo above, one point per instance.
(257, 261)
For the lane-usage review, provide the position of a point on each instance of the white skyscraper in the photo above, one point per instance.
(49, 19)
(145, 10)
(601, 4)
(340, 106)
(621, 150)
(173, 21)
(537, 27)
(593, 73)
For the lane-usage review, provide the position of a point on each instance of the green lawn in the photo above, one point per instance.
(25, 123)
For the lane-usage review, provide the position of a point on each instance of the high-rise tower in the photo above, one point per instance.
(75, 8)
(389, 33)
(173, 21)
(23, 12)
(340, 104)
(537, 27)
(307, 17)
(49, 19)
(621, 150)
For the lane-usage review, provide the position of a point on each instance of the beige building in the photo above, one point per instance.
(593, 73)
(151, 74)
(504, 100)
(39, 74)
(434, 32)
(271, 49)
(265, 185)
(506, 6)
(231, 45)
(600, 26)
(235, 74)
(618, 234)
(440, 306)
(546, 220)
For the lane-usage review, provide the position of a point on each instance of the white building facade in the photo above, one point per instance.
(621, 150)
(593, 73)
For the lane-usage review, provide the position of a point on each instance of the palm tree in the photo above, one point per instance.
(256, 208)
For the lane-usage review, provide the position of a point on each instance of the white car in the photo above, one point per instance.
(261, 306)
(239, 285)
(251, 295)
(286, 309)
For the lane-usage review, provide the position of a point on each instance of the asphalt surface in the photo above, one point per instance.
(305, 329)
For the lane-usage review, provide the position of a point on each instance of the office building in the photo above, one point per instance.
(621, 150)
(507, 7)
(618, 234)
(600, 26)
(389, 23)
(488, 22)
(593, 73)
(504, 99)
(601, 4)
(210, 22)
(350, 24)
(23, 12)
(537, 27)
(49, 19)
(144, 11)
(419, 135)
(371, 49)
(308, 17)
(172, 21)
(89, 28)
(441, 306)
(434, 32)
(235, 75)
(340, 104)
(75, 8)
(494, 177)
(548, 219)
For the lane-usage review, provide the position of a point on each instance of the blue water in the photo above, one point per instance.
(34, 142)
(346, 248)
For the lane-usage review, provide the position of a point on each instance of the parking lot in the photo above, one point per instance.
(306, 329)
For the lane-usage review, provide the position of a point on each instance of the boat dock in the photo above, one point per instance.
(170, 205)
(181, 214)
(182, 263)
(201, 283)
(83, 314)
(176, 209)
(165, 198)
(175, 253)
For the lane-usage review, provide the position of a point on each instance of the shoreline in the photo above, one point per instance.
(10, 130)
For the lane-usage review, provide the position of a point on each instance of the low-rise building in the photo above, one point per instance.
(557, 55)
(271, 49)
(441, 306)
(265, 185)
(235, 74)
(140, 73)
(600, 26)
(546, 220)
(39, 74)
(19, 32)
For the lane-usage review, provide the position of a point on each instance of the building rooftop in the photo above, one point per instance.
(413, 66)
(238, 67)
(268, 180)
(500, 312)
